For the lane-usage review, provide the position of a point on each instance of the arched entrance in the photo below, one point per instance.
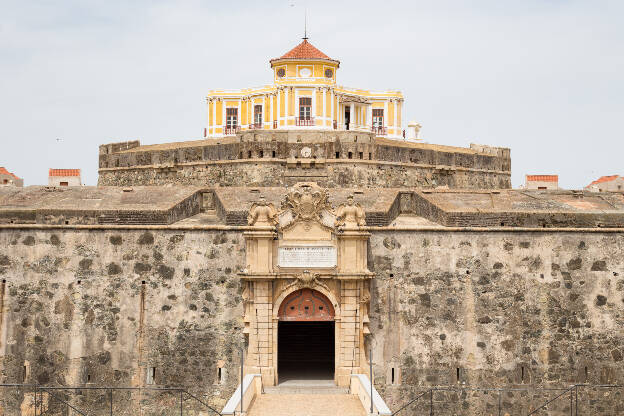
(306, 337)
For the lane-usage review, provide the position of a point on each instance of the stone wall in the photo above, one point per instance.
(336, 159)
(102, 307)
(497, 308)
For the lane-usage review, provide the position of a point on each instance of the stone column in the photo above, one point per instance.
(352, 117)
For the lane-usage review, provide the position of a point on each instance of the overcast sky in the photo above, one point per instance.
(545, 78)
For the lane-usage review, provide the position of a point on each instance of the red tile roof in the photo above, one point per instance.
(542, 178)
(3, 171)
(604, 179)
(64, 172)
(305, 50)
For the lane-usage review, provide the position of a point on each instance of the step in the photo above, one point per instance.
(307, 405)
(303, 389)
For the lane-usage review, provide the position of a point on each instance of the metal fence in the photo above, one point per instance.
(100, 401)
(573, 400)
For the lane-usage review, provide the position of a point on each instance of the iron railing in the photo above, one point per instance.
(570, 394)
(255, 126)
(231, 129)
(305, 121)
(105, 402)
(274, 124)
(379, 130)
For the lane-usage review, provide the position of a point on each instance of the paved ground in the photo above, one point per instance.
(307, 405)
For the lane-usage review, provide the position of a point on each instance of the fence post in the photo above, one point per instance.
(431, 402)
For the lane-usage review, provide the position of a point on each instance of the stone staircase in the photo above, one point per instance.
(310, 404)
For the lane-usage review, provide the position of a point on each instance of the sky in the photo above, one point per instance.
(544, 78)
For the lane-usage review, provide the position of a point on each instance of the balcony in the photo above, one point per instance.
(309, 121)
(274, 124)
(229, 130)
(257, 126)
(379, 130)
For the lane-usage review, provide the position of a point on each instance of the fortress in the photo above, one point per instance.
(305, 231)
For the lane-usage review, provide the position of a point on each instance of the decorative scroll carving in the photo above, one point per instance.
(306, 279)
(350, 214)
(306, 202)
(262, 213)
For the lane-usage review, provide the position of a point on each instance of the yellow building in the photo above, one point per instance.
(304, 95)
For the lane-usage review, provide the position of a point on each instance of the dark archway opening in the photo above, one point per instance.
(306, 350)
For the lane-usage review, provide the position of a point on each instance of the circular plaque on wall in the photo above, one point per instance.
(329, 73)
(281, 72)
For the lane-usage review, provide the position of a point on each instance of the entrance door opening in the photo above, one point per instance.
(305, 337)
(347, 117)
(305, 351)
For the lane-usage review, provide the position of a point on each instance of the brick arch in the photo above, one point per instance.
(306, 305)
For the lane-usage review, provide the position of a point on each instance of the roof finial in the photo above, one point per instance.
(305, 25)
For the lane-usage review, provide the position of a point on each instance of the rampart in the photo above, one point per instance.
(279, 158)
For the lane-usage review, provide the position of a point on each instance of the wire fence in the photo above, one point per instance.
(573, 400)
(35, 400)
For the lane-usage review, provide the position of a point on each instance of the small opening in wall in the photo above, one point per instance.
(292, 308)
(273, 153)
(261, 153)
(392, 376)
(361, 155)
(391, 274)
(467, 271)
(586, 375)
(522, 374)
(502, 224)
(24, 374)
(88, 378)
(320, 308)
(350, 155)
(219, 374)
(66, 222)
(458, 373)
(79, 281)
(370, 156)
(142, 282)
(240, 156)
(3, 280)
(151, 375)
(307, 307)
(249, 154)
(337, 155)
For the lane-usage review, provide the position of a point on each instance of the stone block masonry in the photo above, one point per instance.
(447, 308)
(330, 158)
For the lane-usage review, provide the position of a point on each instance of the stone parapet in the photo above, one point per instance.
(330, 158)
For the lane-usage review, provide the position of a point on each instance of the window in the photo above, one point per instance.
(378, 117)
(231, 115)
(5, 181)
(305, 108)
(257, 114)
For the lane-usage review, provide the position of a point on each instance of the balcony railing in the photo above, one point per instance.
(304, 121)
(335, 125)
(274, 124)
(231, 129)
(379, 130)
(255, 126)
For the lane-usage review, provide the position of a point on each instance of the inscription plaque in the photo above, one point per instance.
(307, 256)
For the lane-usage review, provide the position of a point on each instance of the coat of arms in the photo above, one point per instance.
(306, 202)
